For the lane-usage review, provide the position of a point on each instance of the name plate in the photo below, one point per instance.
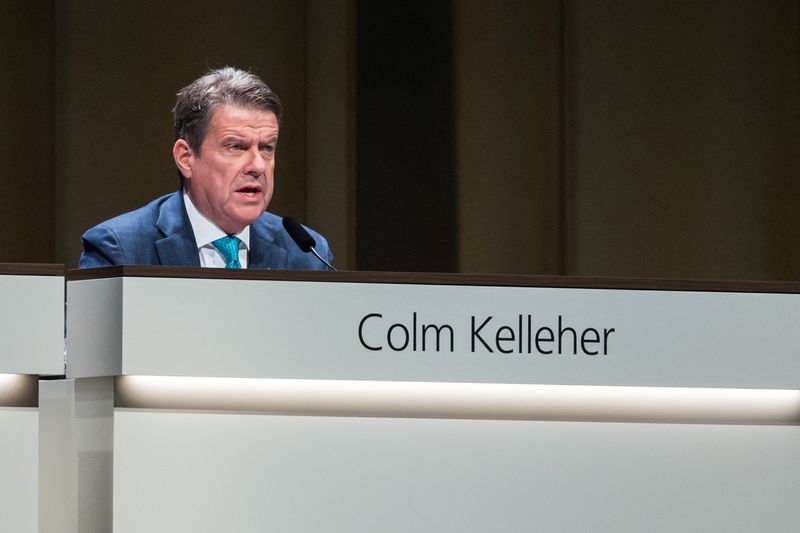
(437, 332)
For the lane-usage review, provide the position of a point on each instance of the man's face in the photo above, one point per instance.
(231, 180)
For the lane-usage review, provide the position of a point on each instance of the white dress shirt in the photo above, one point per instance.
(206, 232)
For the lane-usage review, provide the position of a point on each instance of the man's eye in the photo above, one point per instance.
(268, 148)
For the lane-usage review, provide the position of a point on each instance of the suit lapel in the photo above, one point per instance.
(178, 247)
(264, 253)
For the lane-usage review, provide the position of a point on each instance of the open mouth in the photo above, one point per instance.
(249, 192)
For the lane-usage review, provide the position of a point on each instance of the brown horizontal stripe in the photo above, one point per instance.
(496, 280)
(31, 269)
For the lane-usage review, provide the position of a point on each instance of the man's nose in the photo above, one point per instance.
(255, 164)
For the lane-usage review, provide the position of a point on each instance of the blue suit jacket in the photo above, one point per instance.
(160, 234)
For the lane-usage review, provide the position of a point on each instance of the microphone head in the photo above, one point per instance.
(299, 234)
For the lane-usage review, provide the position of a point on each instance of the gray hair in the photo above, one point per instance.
(223, 86)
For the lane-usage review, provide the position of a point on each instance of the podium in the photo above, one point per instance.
(31, 344)
(301, 401)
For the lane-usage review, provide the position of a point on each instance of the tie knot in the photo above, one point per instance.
(229, 248)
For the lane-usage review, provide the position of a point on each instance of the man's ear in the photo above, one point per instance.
(184, 157)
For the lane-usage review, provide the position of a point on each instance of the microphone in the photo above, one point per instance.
(303, 240)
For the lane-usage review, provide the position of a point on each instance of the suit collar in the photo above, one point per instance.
(205, 231)
(178, 247)
(264, 252)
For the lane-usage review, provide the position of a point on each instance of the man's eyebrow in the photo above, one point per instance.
(233, 138)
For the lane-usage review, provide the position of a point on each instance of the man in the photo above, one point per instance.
(226, 131)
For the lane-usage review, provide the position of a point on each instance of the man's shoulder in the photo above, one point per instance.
(148, 212)
(131, 238)
(139, 219)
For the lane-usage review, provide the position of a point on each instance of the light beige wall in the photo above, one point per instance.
(682, 143)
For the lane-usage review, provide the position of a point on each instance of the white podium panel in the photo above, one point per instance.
(76, 455)
(19, 469)
(210, 472)
(31, 344)
(262, 402)
(32, 319)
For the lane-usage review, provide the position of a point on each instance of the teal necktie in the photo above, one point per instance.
(229, 248)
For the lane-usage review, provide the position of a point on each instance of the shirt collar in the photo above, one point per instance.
(205, 231)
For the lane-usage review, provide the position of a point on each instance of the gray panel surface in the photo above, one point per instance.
(19, 469)
(283, 329)
(205, 472)
(31, 324)
(94, 324)
(76, 455)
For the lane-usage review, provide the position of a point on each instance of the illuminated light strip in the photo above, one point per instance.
(19, 390)
(461, 400)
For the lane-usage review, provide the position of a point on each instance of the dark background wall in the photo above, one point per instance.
(613, 137)
(405, 143)
(27, 136)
